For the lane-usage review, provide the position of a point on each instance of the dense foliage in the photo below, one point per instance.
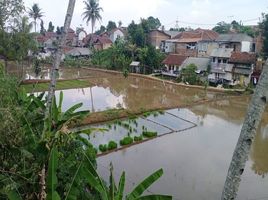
(234, 26)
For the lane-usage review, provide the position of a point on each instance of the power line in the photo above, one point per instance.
(205, 24)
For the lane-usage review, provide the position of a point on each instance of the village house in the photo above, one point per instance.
(237, 41)
(173, 64)
(157, 37)
(117, 33)
(99, 42)
(244, 63)
(197, 43)
(221, 69)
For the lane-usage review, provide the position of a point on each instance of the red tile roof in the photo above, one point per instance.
(196, 35)
(174, 59)
(243, 58)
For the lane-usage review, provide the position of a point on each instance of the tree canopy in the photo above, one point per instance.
(92, 12)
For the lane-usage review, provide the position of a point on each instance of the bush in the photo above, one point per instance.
(138, 138)
(149, 134)
(126, 141)
(112, 145)
(103, 147)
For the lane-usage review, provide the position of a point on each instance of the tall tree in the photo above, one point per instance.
(10, 10)
(56, 63)
(247, 135)
(154, 23)
(92, 12)
(101, 30)
(110, 26)
(50, 27)
(36, 14)
(42, 28)
(222, 27)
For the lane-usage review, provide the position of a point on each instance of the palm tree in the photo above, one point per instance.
(36, 14)
(92, 12)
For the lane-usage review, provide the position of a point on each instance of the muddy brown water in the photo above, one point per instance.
(195, 161)
(115, 91)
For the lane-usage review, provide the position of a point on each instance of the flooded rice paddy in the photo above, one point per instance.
(114, 91)
(195, 157)
(195, 161)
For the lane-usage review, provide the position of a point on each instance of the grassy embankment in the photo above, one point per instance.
(61, 85)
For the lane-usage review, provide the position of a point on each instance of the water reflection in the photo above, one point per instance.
(259, 150)
(196, 161)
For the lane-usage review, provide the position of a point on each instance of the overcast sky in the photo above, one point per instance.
(194, 13)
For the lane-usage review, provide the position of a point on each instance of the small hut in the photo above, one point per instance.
(135, 67)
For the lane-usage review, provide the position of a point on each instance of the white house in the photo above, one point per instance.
(117, 33)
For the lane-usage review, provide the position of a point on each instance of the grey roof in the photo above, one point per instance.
(201, 63)
(222, 52)
(78, 51)
(234, 37)
(172, 33)
(242, 71)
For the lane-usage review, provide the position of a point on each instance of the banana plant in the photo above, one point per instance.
(87, 172)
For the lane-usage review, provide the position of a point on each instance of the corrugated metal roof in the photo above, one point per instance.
(201, 63)
(234, 37)
(134, 63)
(222, 52)
(242, 71)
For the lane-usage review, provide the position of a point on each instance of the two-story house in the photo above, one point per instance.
(197, 43)
(221, 68)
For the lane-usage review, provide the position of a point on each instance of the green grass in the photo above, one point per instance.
(61, 85)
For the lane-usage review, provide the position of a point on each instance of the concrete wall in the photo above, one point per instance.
(205, 48)
(181, 49)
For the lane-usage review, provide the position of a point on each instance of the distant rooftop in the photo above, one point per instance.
(234, 37)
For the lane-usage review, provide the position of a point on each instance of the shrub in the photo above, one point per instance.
(126, 141)
(149, 134)
(112, 145)
(138, 138)
(103, 147)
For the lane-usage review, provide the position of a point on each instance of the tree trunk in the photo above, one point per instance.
(248, 131)
(57, 60)
(51, 92)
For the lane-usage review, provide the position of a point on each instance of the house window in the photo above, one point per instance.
(217, 75)
(224, 60)
(219, 60)
(214, 59)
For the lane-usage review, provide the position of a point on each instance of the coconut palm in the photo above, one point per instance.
(92, 12)
(36, 14)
